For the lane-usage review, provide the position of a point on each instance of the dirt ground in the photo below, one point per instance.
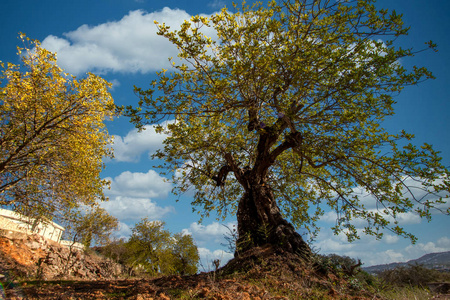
(263, 274)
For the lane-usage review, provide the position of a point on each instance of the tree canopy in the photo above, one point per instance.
(89, 225)
(286, 105)
(52, 135)
(157, 251)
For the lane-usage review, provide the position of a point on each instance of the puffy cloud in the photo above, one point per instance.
(207, 257)
(444, 242)
(391, 239)
(130, 196)
(128, 208)
(130, 147)
(419, 249)
(329, 217)
(387, 257)
(214, 232)
(375, 252)
(144, 185)
(128, 45)
(333, 246)
(124, 231)
(407, 218)
(408, 253)
(115, 84)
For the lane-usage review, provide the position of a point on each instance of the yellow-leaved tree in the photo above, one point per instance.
(52, 135)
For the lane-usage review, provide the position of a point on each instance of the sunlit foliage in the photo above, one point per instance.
(292, 95)
(52, 135)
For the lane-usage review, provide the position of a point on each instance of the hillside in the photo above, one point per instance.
(32, 268)
(437, 261)
(25, 256)
(263, 273)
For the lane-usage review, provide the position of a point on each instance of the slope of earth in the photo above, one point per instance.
(261, 274)
(25, 256)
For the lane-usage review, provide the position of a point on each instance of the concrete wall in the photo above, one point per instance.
(72, 245)
(13, 221)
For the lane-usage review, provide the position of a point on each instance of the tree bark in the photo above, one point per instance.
(260, 223)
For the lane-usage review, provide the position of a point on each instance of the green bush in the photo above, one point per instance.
(412, 275)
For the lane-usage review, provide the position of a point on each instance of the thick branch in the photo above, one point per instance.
(222, 175)
(253, 120)
(292, 140)
(231, 166)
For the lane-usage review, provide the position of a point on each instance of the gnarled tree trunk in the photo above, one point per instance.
(260, 223)
(259, 219)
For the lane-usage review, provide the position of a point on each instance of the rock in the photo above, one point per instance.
(143, 297)
(34, 257)
(34, 245)
(162, 296)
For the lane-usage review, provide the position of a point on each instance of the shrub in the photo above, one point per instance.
(412, 275)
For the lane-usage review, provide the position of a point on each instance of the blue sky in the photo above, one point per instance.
(117, 39)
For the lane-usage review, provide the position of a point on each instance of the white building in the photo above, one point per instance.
(12, 221)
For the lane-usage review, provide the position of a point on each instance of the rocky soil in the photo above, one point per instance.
(263, 273)
(33, 257)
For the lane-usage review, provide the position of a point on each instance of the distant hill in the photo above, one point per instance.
(437, 261)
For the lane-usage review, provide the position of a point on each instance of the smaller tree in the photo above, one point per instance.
(116, 249)
(93, 224)
(185, 255)
(159, 252)
(147, 244)
(349, 266)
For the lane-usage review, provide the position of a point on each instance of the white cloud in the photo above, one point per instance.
(124, 231)
(375, 252)
(329, 217)
(419, 249)
(444, 242)
(128, 208)
(213, 233)
(144, 185)
(115, 84)
(391, 239)
(217, 4)
(408, 253)
(332, 246)
(128, 45)
(407, 218)
(130, 196)
(135, 143)
(207, 257)
(389, 256)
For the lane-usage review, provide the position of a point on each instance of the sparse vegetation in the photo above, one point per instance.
(413, 275)
(410, 282)
(265, 272)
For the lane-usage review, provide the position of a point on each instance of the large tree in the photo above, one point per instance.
(52, 135)
(279, 115)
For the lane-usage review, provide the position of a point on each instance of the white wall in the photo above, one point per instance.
(10, 220)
